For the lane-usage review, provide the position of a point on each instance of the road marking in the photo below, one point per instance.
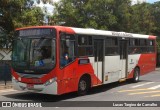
(156, 95)
(7, 90)
(148, 92)
(142, 84)
(154, 87)
(130, 90)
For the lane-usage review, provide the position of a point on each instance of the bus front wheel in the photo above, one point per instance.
(83, 86)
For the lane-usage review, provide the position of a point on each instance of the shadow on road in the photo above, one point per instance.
(55, 98)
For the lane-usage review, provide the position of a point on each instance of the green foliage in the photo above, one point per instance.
(116, 15)
(17, 13)
(29, 17)
(142, 20)
(121, 9)
(156, 13)
(85, 13)
(20, 13)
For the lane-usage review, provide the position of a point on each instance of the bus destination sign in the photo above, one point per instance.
(36, 32)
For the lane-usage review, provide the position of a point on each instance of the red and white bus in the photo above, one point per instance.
(58, 59)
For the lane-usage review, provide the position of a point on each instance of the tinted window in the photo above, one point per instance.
(138, 46)
(85, 45)
(84, 40)
(111, 46)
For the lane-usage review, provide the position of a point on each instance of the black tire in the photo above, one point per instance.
(136, 75)
(83, 86)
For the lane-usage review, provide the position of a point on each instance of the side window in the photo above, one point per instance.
(85, 45)
(111, 46)
(131, 42)
(143, 45)
(137, 42)
(151, 44)
(134, 46)
(143, 42)
(137, 46)
(67, 49)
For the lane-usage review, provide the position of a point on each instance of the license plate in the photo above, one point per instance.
(30, 86)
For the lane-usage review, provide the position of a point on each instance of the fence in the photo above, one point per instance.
(5, 63)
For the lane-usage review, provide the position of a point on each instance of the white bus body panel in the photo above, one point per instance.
(133, 61)
(41, 88)
(98, 70)
(111, 69)
(114, 68)
(123, 67)
(97, 67)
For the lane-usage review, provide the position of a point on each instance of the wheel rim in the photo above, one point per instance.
(136, 75)
(83, 85)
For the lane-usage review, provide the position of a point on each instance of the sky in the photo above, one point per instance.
(48, 6)
(152, 1)
(149, 1)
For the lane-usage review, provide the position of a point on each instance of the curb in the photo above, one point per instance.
(7, 86)
(157, 69)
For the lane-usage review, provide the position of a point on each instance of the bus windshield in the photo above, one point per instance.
(33, 55)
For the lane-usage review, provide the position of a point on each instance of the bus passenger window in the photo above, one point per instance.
(135, 50)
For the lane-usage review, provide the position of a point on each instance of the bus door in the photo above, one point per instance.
(123, 58)
(99, 57)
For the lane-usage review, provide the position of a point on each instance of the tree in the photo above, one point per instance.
(29, 17)
(142, 21)
(85, 13)
(7, 9)
(19, 13)
(156, 13)
(122, 11)
(116, 15)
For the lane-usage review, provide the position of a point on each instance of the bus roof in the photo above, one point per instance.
(110, 33)
(88, 31)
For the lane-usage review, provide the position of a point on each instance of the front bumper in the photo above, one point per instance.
(37, 88)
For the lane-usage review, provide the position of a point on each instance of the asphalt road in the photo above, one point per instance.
(148, 89)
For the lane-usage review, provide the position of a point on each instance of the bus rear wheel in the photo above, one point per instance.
(83, 86)
(136, 75)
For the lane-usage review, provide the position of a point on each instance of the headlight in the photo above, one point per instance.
(14, 79)
(50, 81)
(19, 79)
